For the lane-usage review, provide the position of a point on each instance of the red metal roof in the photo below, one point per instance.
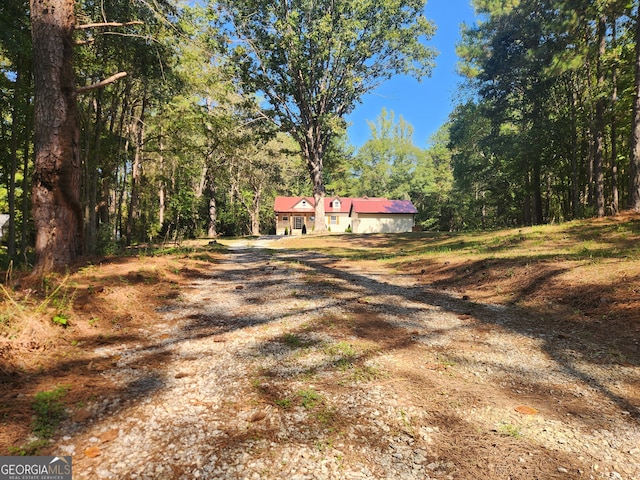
(377, 205)
(359, 205)
(287, 204)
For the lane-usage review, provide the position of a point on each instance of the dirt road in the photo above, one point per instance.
(278, 364)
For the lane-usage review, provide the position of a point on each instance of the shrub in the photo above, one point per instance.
(49, 410)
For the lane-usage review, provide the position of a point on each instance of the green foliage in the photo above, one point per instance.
(105, 243)
(292, 340)
(340, 349)
(364, 373)
(385, 164)
(60, 319)
(49, 411)
(390, 165)
(550, 82)
(338, 160)
(309, 398)
(175, 150)
(30, 449)
(313, 61)
(284, 403)
(510, 430)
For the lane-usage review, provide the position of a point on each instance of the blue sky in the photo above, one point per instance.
(427, 104)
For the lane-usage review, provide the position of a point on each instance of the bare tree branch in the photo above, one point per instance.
(85, 42)
(103, 83)
(87, 26)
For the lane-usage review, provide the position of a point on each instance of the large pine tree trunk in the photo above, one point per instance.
(26, 157)
(57, 212)
(634, 170)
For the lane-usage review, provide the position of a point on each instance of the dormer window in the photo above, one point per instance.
(336, 203)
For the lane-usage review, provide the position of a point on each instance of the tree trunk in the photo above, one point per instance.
(136, 171)
(575, 177)
(527, 216)
(11, 174)
(57, 212)
(161, 186)
(615, 196)
(25, 184)
(484, 211)
(255, 209)
(212, 231)
(315, 170)
(313, 152)
(634, 170)
(536, 181)
(122, 186)
(124, 131)
(92, 179)
(599, 121)
(255, 222)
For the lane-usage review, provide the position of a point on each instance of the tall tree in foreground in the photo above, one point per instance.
(634, 174)
(57, 211)
(313, 61)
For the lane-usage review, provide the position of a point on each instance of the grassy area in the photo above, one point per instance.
(580, 240)
(586, 269)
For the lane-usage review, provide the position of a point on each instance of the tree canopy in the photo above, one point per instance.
(184, 120)
(313, 61)
(547, 135)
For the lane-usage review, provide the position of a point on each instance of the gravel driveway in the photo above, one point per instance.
(294, 365)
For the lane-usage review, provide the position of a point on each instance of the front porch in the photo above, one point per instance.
(292, 223)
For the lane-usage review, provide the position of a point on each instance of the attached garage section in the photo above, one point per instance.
(379, 223)
(382, 216)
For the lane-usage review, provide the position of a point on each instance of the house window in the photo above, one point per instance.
(333, 220)
(285, 218)
(298, 222)
(304, 204)
(336, 204)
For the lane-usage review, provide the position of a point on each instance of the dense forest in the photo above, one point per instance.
(182, 120)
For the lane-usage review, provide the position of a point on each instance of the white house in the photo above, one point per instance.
(360, 215)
